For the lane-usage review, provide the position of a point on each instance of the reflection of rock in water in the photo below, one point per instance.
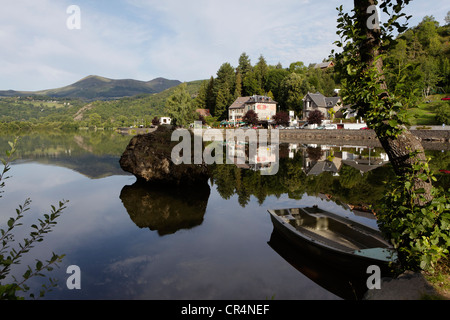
(163, 209)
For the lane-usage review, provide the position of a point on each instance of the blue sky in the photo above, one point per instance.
(175, 39)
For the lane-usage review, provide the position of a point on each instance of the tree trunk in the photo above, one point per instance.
(400, 148)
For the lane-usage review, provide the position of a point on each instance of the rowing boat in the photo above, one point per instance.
(338, 240)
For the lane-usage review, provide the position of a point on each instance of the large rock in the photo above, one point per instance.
(148, 157)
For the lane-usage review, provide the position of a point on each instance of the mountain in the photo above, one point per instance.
(100, 88)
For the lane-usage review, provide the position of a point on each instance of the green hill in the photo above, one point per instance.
(42, 110)
(100, 88)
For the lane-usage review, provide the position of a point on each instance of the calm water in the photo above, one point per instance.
(215, 242)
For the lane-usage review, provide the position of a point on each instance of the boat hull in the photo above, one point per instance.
(343, 260)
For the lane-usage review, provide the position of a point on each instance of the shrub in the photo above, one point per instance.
(419, 232)
(11, 256)
(315, 117)
(443, 113)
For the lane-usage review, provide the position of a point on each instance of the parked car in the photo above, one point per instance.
(330, 127)
(364, 128)
(446, 98)
(303, 126)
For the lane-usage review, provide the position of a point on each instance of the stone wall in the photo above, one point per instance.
(431, 139)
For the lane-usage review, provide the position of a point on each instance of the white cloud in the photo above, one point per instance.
(144, 39)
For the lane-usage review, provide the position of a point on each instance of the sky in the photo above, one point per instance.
(47, 44)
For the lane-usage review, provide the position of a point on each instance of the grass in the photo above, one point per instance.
(425, 112)
(440, 279)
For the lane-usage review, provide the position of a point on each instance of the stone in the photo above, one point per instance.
(407, 286)
(148, 158)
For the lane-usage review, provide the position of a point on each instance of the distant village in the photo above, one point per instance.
(333, 111)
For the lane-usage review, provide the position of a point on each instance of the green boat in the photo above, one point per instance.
(344, 243)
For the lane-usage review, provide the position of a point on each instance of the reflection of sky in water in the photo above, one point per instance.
(226, 257)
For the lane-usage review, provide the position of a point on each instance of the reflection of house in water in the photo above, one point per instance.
(365, 163)
(318, 159)
(237, 152)
(293, 147)
(249, 156)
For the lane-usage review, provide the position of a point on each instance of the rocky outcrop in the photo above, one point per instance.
(148, 157)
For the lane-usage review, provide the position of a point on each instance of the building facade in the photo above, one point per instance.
(265, 107)
(317, 101)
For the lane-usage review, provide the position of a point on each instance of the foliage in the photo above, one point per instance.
(363, 84)
(415, 219)
(11, 256)
(315, 117)
(443, 113)
(419, 61)
(420, 233)
(251, 117)
(155, 121)
(287, 86)
(281, 118)
(180, 108)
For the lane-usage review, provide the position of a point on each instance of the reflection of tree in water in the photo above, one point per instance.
(349, 186)
(166, 210)
(314, 154)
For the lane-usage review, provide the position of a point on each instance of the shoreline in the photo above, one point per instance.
(433, 139)
(430, 139)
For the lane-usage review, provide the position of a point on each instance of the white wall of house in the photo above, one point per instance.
(165, 120)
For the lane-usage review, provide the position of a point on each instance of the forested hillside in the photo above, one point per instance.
(286, 85)
(420, 64)
(420, 61)
(44, 112)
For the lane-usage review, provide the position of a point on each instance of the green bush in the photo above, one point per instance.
(10, 256)
(419, 230)
(443, 113)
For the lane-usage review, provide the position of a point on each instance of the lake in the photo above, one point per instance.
(212, 243)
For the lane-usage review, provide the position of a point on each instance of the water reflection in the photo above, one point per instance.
(323, 158)
(165, 210)
(238, 198)
(93, 154)
(354, 176)
(349, 286)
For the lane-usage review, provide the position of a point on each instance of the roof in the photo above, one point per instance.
(239, 102)
(321, 101)
(364, 165)
(242, 101)
(324, 65)
(321, 166)
(203, 112)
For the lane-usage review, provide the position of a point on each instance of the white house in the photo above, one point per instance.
(165, 120)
